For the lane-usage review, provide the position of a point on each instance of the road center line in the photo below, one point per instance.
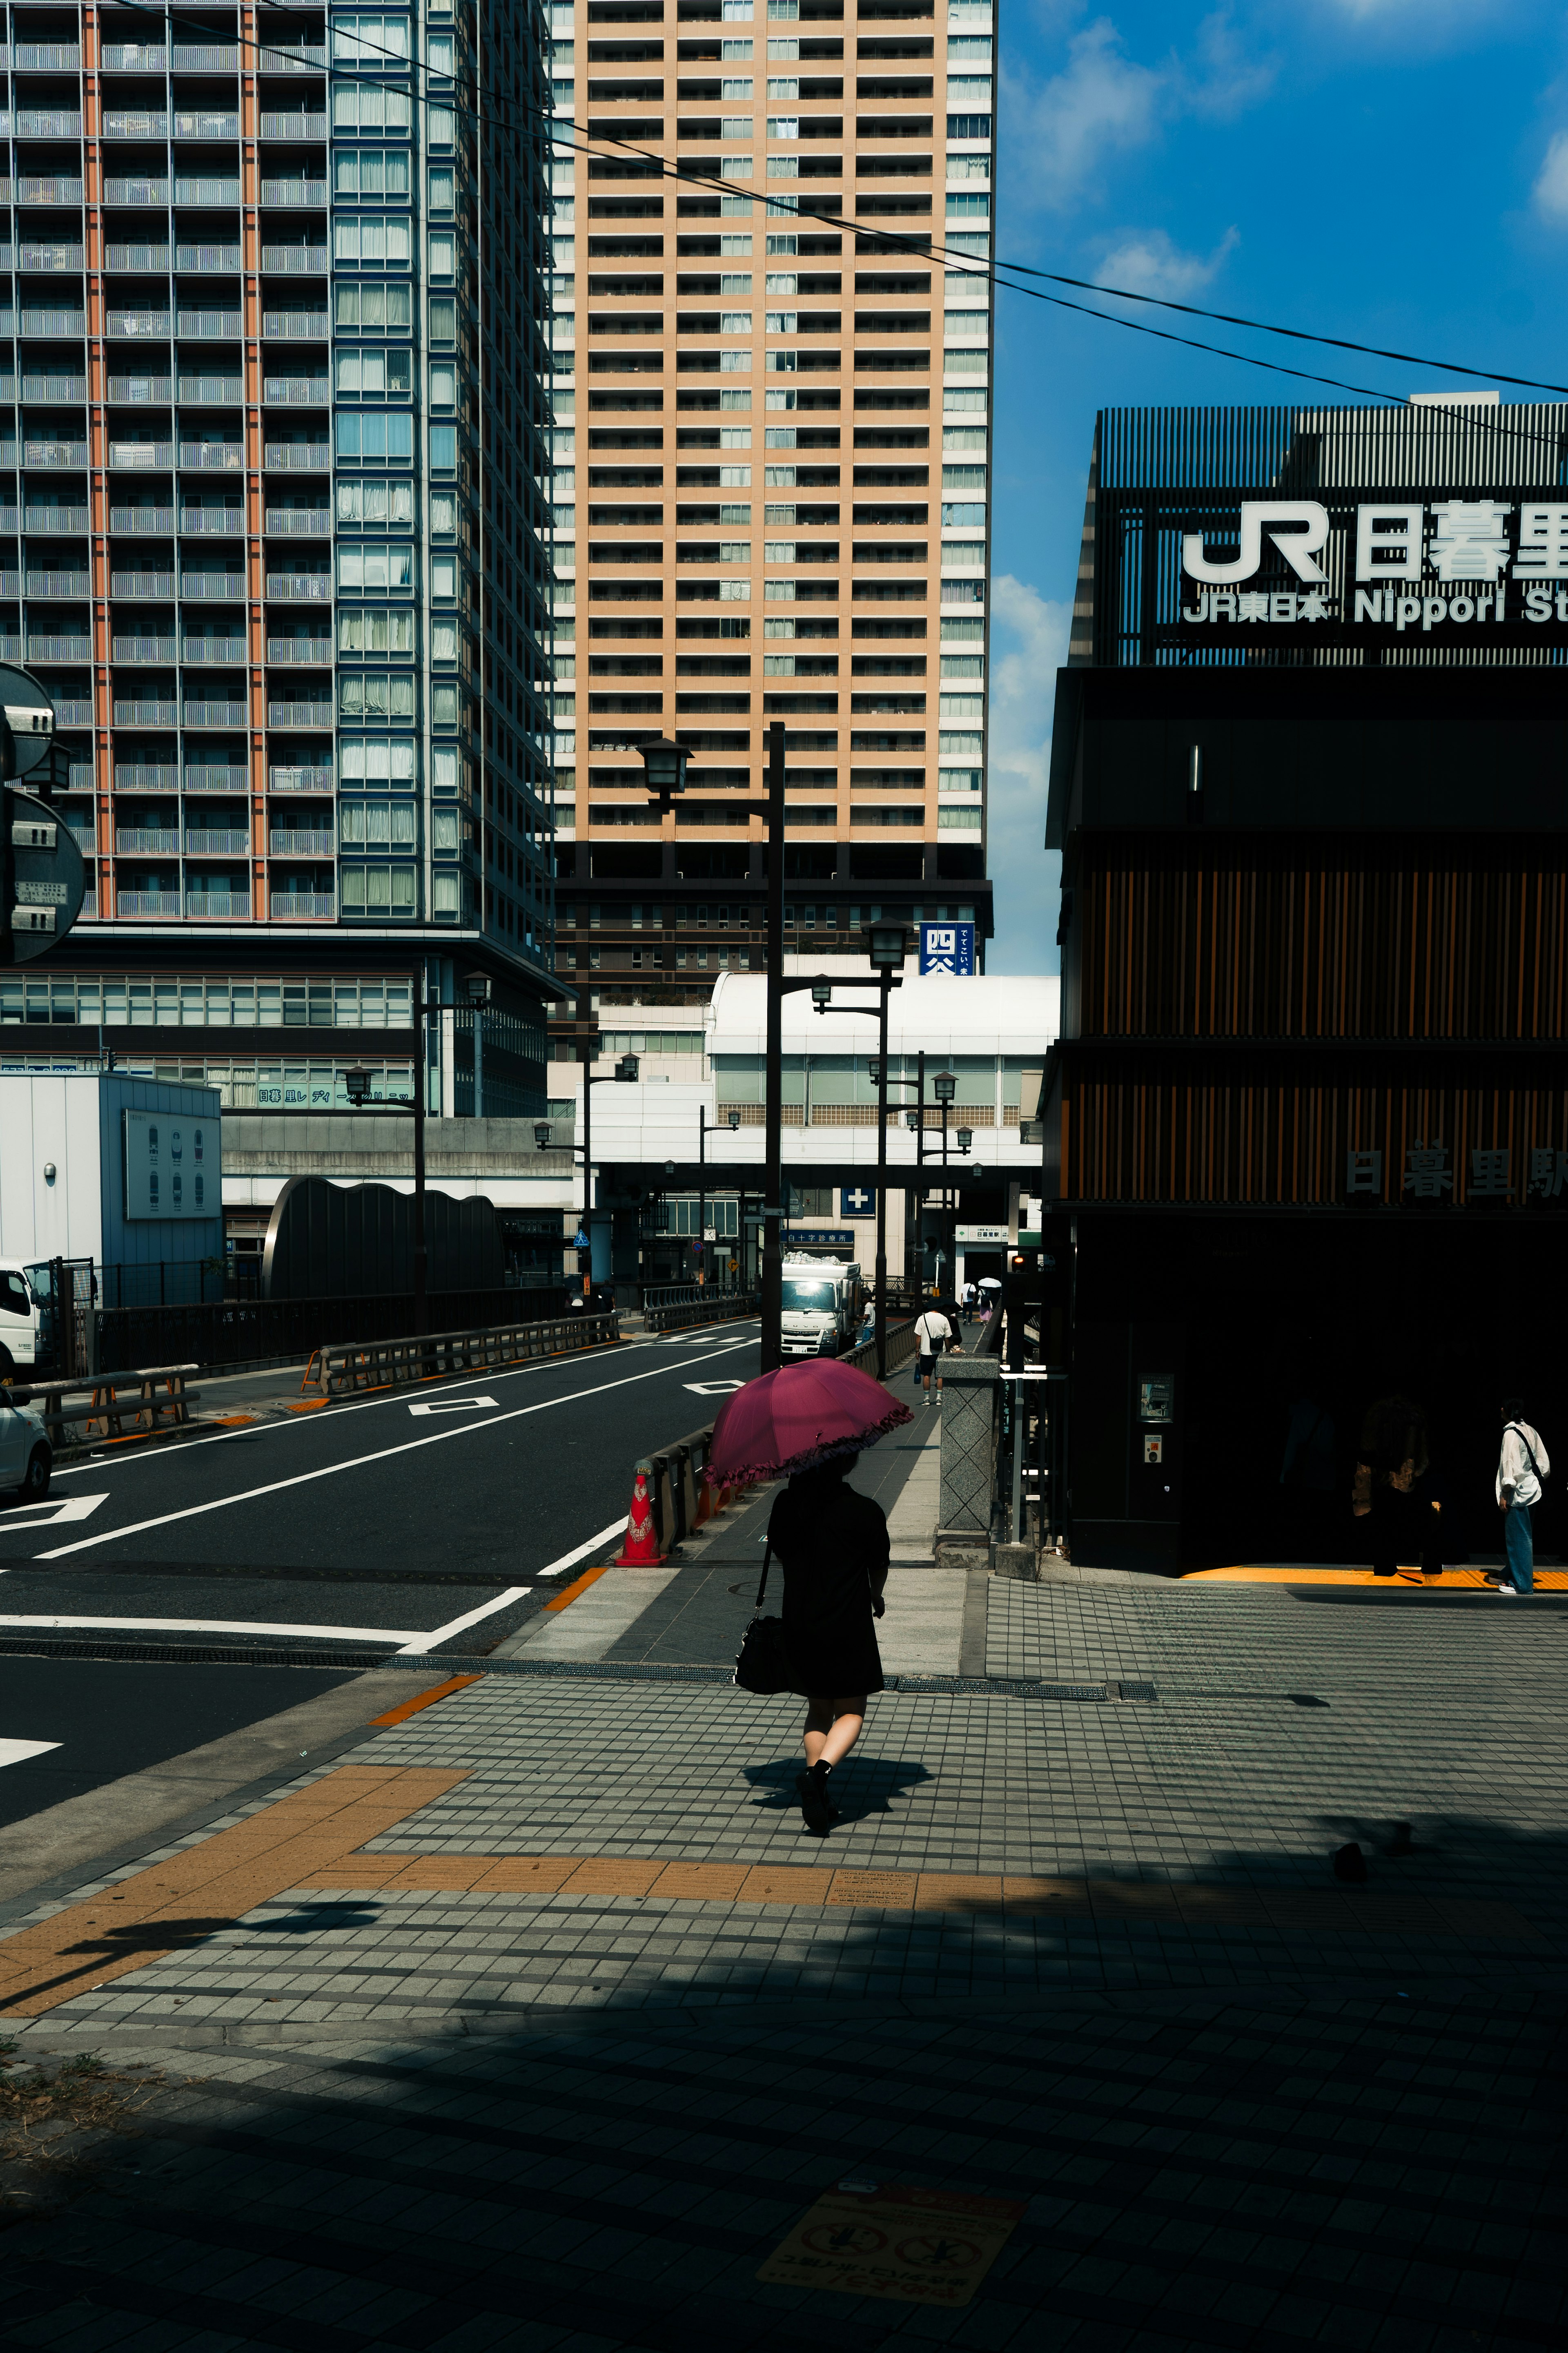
(358, 1463)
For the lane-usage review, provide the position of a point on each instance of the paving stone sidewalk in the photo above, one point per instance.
(448, 2118)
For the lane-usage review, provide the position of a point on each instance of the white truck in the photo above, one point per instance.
(21, 1319)
(822, 1302)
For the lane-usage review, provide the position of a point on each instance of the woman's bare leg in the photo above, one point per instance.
(818, 1725)
(848, 1720)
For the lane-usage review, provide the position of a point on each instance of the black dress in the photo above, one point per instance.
(833, 1545)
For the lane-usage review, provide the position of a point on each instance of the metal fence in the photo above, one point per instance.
(238, 1332)
(341, 1367)
(673, 1305)
(124, 1405)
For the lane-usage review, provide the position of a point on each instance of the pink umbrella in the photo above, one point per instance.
(802, 1414)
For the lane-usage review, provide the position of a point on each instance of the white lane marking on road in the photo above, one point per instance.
(357, 1463)
(712, 1389)
(455, 1625)
(100, 1465)
(218, 1626)
(17, 1752)
(581, 1552)
(452, 1405)
(59, 1508)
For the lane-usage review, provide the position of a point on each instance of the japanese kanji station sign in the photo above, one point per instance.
(1487, 1175)
(1481, 572)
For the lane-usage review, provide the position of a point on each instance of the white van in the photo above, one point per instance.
(21, 1319)
(822, 1299)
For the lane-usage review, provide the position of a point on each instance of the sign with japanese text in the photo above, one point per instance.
(1488, 1174)
(948, 947)
(1478, 571)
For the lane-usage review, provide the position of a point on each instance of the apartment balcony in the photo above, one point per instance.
(67, 325)
(135, 56)
(294, 124)
(144, 255)
(209, 325)
(217, 389)
(56, 584)
(205, 57)
(298, 649)
(207, 257)
(290, 842)
(212, 522)
(303, 56)
(133, 455)
(139, 391)
(135, 122)
(296, 391)
(300, 457)
(218, 906)
(284, 194)
(315, 588)
(37, 452)
(141, 646)
(198, 122)
(289, 903)
(47, 122)
(226, 647)
(220, 456)
(147, 841)
(209, 777)
(144, 776)
(209, 711)
(165, 903)
(53, 648)
(143, 711)
(64, 385)
(139, 521)
(294, 260)
(314, 716)
(33, 253)
(303, 778)
(123, 324)
(296, 326)
(48, 188)
(298, 523)
(217, 841)
(205, 188)
(212, 587)
(137, 188)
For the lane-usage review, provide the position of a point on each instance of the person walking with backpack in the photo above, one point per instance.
(1522, 1464)
(933, 1331)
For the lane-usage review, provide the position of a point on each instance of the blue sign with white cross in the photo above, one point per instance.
(948, 947)
(857, 1201)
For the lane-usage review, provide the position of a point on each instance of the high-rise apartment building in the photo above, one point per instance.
(772, 406)
(271, 358)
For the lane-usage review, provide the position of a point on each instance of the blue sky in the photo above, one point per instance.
(1394, 171)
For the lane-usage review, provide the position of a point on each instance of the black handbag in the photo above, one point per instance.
(762, 1665)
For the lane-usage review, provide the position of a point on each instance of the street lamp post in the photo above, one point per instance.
(966, 1139)
(357, 1082)
(944, 1086)
(702, 1194)
(478, 985)
(626, 1070)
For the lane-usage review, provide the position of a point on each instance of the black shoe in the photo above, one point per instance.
(816, 1807)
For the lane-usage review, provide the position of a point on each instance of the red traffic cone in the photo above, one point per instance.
(639, 1548)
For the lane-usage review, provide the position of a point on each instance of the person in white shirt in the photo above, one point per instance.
(1522, 1466)
(933, 1331)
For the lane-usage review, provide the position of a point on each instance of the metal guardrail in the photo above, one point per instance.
(339, 1367)
(676, 1474)
(672, 1306)
(119, 1405)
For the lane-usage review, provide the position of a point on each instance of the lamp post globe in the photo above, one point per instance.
(356, 1086)
(542, 1134)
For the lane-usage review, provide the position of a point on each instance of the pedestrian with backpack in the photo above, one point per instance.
(933, 1331)
(1522, 1464)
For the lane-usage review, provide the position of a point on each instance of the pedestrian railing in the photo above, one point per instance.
(682, 1491)
(339, 1367)
(673, 1305)
(119, 1405)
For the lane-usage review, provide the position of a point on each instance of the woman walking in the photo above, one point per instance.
(833, 1545)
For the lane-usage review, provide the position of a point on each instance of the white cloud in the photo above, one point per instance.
(1550, 191)
(1023, 691)
(1146, 262)
(1102, 104)
(1229, 80)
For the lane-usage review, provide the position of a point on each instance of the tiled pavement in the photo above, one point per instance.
(470, 2120)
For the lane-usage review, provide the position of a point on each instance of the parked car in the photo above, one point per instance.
(27, 1457)
(21, 1319)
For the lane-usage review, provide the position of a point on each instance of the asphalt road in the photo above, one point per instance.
(421, 1520)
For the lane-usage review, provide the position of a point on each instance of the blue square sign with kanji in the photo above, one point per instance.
(948, 947)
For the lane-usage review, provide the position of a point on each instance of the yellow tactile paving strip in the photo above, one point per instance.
(208, 1887)
(1453, 1580)
(1106, 1900)
(314, 1838)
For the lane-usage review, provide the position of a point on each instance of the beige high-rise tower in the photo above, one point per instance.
(771, 408)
